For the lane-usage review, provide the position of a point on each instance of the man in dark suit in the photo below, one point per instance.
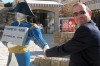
(84, 47)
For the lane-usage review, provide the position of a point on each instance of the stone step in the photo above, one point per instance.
(51, 61)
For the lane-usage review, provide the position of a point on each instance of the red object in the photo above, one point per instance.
(68, 25)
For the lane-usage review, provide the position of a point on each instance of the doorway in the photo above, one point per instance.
(46, 18)
(96, 17)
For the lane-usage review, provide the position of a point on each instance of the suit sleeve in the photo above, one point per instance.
(76, 44)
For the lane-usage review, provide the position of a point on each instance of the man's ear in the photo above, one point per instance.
(90, 13)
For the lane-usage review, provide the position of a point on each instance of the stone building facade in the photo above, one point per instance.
(5, 16)
(92, 4)
(67, 8)
(1, 16)
(47, 12)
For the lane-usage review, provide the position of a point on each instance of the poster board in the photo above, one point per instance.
(67, 24)
(14, 34)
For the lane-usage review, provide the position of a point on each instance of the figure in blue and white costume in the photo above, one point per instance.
(23, 58)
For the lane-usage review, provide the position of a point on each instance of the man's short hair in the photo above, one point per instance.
(79, 3)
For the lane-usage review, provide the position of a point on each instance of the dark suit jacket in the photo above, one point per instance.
(84, 47)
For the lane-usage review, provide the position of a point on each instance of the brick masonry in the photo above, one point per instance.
(54, 61)
(62, 37)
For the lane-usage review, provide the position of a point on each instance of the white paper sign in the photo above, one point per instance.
(16, 35)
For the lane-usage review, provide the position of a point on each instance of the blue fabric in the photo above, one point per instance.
(16, 23)
(34, 34)
(37, 37)
(28, 25)
(23, 59)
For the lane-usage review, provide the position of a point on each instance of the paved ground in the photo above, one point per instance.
(35, 50)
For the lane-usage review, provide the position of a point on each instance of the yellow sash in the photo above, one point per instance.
(18, 49)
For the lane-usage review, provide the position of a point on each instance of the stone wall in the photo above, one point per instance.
(1, 4)
(62, 37)
(54, 61)
(59, 38)
(67, 8)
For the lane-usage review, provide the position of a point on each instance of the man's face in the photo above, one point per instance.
(81, 15)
